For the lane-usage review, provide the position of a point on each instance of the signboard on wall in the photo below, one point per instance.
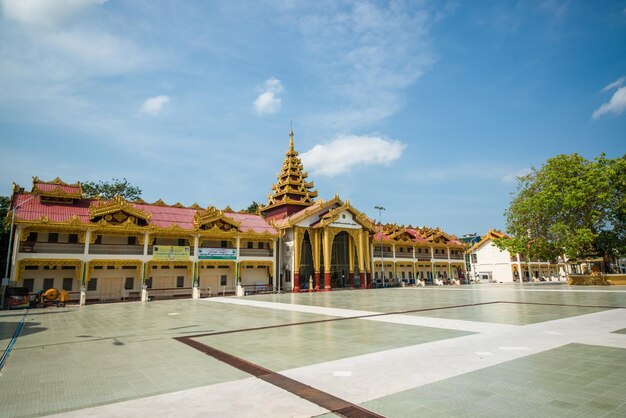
(170, 253)
(217, 254)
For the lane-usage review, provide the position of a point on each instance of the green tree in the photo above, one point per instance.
(569, 206)
(253, 208)
(108, 190)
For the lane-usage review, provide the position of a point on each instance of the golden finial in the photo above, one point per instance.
(290, 139)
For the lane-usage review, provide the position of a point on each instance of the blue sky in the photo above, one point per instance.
(428, 108)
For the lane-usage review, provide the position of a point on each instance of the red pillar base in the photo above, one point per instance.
(317, 281)
(363, 282)
(351, 279)
(296, 282)
(327, 287)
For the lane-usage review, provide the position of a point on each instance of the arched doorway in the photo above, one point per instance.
(307, 270)
(340, 261)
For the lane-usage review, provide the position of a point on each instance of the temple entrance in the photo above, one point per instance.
(340, 261)
(306, 262)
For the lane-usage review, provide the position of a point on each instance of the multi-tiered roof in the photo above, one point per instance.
(292, 192)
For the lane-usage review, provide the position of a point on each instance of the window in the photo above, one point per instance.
(72, 238)
(180, 281)
(149, 283)
(401, 249)
(53, 237)
(110, 267)
(250, 245)
(92, 284)
(261, 245)
(29, 283)
(67, 284)
(403, 275)
(48, 284)
(410, 275)
(98, 239)
(224, 244)
(182, 242)
(223, 280)
(376, 275)
(129, 283)
(474, 258)
(32, 237)
(132, 240)
(31, 268)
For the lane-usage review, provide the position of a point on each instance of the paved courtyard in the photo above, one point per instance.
(483, 350)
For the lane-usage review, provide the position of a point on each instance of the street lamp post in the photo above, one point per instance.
(6, 269)
(382, 255)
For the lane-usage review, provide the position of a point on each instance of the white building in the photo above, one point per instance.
(490, 264)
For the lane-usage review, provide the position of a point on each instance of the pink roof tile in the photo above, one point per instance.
(47, 187)
(30, 208)
(251, 222)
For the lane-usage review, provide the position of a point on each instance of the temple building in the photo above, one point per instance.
(115, 249)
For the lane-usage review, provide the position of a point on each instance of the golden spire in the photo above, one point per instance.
(291, 189)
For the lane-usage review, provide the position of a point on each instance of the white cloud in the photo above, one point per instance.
(616, 84)
(616, 105)
(45, 12)
(512, 177)
(366, 55)
(349, 151)
(154, 105)
(268, 101)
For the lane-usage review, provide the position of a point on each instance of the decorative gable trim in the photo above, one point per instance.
(214, 219)
(118, 211)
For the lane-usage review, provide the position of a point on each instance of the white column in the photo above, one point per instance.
(87, 242)
(276, 264)
(195, 293)
(16, 247)
(146, 239)
(238, 271)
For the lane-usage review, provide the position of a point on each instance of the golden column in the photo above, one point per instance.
(327, 248)
(316, 256)
(351, 261)
(368, 259)
(361, 253)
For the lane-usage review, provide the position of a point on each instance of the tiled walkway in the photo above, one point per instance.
(463, 351)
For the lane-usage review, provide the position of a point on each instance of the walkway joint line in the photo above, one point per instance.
(323, 399)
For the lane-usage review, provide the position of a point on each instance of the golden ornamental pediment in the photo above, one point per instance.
(118, 211)
(57, 188)
(214, 219)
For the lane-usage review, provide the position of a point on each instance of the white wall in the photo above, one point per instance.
(493, 261)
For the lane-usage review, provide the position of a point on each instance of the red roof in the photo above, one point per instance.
(51, 188)
(30, 208)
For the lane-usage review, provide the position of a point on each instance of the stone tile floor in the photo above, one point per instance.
(533, 357)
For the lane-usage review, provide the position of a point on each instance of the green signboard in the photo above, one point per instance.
(217, 254)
